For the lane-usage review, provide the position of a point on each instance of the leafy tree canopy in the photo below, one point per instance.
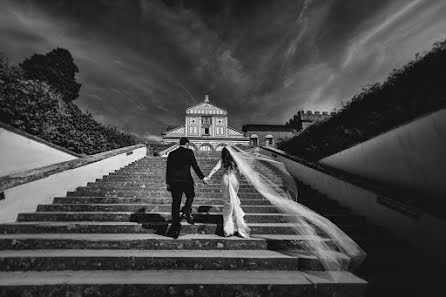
(57, 69)
(34, 106)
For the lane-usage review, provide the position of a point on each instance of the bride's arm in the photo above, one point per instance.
(214, 170)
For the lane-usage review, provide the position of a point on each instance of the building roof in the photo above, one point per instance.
(171, 127)
(261, 127)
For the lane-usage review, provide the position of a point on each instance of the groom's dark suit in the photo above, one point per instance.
(179, 178)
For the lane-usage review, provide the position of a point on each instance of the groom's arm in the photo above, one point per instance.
(168, 169)
(196, 167)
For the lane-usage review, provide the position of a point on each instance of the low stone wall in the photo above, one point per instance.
(21, 151)
(24, 191)
(421, 229)
(410, 157)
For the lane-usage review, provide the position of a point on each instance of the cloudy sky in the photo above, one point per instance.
(142, 62)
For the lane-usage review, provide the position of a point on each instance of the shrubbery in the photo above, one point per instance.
(36, 107)
(412, 91)
(57, 69)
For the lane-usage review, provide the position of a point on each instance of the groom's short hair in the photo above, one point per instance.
(184, 140)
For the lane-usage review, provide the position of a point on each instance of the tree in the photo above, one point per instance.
(409, 92)
(57, 69)
(34, 106)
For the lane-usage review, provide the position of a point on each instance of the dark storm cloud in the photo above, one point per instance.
(143, 62)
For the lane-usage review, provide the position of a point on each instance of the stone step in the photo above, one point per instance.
(163, 169)
(160, 178)
(180, 283)
(140, 185)
(163, 163)
(157, 180)
(215, 218)
(316, 204)
(146, 208)
(151, 168)
(151, 242)
(118, 207)
(204, 168)
(151, 228)
(204, 164)
(87, 259)
(145, 194)
(154, 200)
(162, 174)
(155, 189)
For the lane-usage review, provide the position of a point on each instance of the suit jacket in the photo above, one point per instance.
(179, 163)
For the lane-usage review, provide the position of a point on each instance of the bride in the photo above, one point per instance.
(233, 215)
(335, 249)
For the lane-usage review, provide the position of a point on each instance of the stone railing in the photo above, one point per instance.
(411, 157)
(21, 192)
(22, 151)
(166, 152)
(376, 203)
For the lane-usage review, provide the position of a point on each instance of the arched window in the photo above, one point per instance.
(254, 140)
(269, 140)
(206, 148)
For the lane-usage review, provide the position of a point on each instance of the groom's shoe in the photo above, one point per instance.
(174, 230)
(189, 218)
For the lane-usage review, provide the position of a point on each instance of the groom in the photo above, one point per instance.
(178, 181)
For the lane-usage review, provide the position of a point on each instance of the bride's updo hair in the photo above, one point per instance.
(226, 159)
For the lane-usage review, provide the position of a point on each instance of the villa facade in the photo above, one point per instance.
(206, 126)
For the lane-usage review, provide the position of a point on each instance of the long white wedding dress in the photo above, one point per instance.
(335, 249)
(233, 215)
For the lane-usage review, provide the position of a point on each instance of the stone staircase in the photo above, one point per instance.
(106, 239)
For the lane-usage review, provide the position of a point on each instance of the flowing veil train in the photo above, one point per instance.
(335, 249)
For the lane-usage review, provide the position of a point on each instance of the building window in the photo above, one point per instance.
(254, 140)
(269, 140)
(193, 130)
(206, 123)
(206, 148)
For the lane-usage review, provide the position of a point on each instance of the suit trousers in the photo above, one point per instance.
(177, 189)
